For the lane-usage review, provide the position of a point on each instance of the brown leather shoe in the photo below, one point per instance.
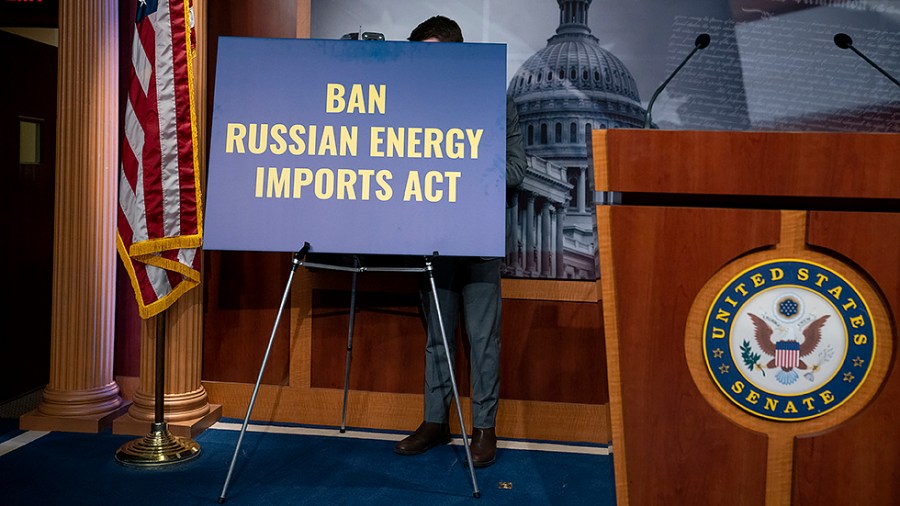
(483, 447)
(426, 437)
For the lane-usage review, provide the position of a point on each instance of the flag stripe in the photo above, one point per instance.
(186, 174)
(131, 191)
(148, 113)
(168, 137)
(787, 358)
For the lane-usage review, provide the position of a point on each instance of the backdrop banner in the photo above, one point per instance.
(369, 147)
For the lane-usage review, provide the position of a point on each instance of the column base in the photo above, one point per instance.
(94, 424)
(128, 425)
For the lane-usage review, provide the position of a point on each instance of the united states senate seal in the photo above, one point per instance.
(789, 340)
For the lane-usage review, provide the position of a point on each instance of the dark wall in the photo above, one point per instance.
(27, 218)
(127, 357)
(242, 289)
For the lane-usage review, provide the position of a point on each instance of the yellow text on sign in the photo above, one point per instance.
(431, 186)
(358, 101)
(325, 183)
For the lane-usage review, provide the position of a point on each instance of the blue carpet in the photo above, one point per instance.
(274, 468)
(8, 428)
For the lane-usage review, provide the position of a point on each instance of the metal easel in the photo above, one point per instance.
(297, 261)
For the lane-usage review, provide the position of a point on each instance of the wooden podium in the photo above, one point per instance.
(701, 229)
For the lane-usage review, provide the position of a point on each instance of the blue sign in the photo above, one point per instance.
(368, 147)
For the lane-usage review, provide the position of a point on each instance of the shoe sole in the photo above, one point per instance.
(484, 464)
(423, 450)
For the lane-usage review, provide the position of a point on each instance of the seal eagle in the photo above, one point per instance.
(787, 354)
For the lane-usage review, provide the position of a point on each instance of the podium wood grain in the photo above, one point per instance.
(676, 439)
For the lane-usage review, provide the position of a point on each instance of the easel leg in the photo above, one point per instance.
(349, 344)
(462, 422)
(262, 368)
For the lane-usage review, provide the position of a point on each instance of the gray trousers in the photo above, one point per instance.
(474, 285)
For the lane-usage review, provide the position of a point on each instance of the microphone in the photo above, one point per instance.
(700, 42)
(843, 41)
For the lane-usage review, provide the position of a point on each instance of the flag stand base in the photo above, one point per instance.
(159, 448)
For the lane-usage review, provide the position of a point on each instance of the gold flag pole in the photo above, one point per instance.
(160, 447)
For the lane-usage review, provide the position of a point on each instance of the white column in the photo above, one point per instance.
(530, 234)
(545, 239)
(512, 230)
(82, 395)
(560, 236)
(582, 190)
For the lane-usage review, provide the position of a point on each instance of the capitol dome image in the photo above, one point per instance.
(562, 92)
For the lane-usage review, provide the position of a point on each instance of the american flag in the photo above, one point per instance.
(159, 218)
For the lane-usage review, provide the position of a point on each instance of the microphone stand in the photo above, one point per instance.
(700, 42)
(843, 41)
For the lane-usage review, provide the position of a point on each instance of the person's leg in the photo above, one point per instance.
(435, 428)
(481, 309)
